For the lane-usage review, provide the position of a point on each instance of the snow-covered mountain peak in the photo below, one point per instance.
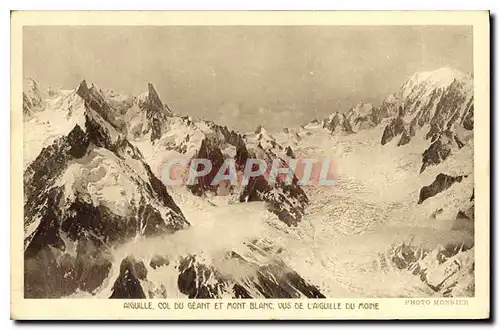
(150, 100)
(431, 80)
(360, 116)
(94, 196)
(262, 138)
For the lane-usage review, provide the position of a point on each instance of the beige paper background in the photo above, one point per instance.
(389, 308)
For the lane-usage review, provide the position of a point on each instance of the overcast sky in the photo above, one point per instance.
(245, 76)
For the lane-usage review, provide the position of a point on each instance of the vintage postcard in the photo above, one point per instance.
(250, 165)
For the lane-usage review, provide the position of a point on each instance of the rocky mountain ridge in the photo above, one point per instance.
(85, 193)
(439, 102)
(93, 185)
(447, 270)
(90, 190)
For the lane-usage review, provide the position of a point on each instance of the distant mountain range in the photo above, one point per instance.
(92, 164)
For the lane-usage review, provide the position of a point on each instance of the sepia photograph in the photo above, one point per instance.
(249, 162)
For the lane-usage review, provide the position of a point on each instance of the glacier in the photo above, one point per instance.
(399, 222)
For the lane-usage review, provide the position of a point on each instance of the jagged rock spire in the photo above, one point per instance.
(83, 89)
(260, 129)
(151, 102)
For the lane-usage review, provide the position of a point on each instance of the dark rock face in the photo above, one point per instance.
(440, 149)
(157, 189)
(405, 138)
(270, 281)
(218, 138)
(377, 114)
(406, 255)
(394, 128)
(27, 106)
(286, 286)
(242, 155)
(153, 113)
(99, 131)
(52, 160)
(51, 275)
(255, 190)
(333, 123)
(346, 125)
(127, 285)
(287, 201)
(49, 270)
(462, 215)
(208, 150)
(158, 261)
(449, 104)
(360, 117)
(156, 112)
(95, 101)
(156, 125)
(468, 120)
(191, 280)
(42, 200)
(30, 105)
(232, 138)
(408, 133)
(292, 198)
(465, 220)
(259, 129)
(339, 123)
(441, 183)
(240, 292)
(425, 100)
(153, 103)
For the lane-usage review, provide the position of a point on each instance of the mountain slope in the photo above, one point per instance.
(420, 176)
(85, 192)
(90, 192)
(181, 136)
